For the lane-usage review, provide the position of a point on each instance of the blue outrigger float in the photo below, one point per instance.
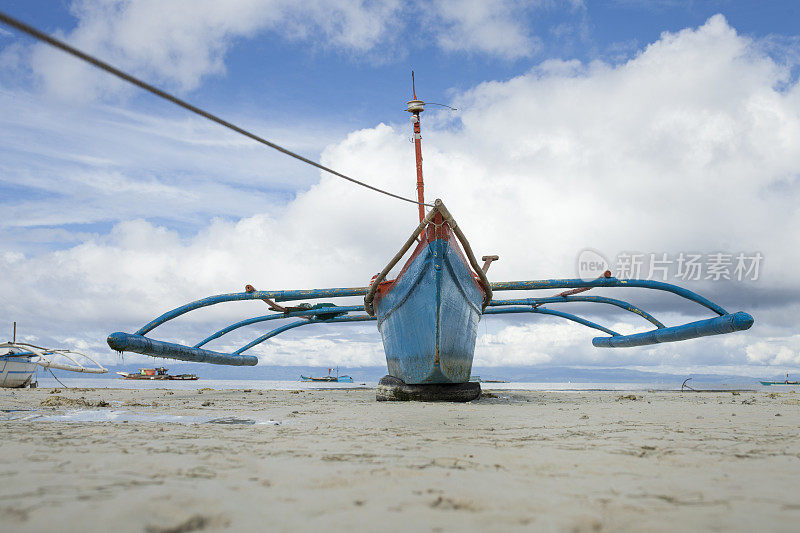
(428, 314)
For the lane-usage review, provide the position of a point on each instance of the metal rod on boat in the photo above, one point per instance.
(415, 107)
(14, 337)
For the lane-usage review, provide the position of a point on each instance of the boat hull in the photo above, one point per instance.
(179, 377)
(17, 370)
(428, 317)
(328, 379)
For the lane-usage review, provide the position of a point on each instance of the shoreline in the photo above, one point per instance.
(260, 384)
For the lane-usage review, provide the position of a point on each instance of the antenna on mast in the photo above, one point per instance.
(415, 107)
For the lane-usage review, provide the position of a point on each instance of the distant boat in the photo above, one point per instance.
(785, 382)
(18, 368)
(18, 364)
(329, 378)
(156, 373)
(477, 379)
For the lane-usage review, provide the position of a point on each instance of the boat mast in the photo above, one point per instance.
(415, 107)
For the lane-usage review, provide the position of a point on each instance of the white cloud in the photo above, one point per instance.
(182, 41)
(781, 352)
(98, 163)
(689, 146)
(494, 27)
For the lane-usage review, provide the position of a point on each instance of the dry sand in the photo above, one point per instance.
(338, 460)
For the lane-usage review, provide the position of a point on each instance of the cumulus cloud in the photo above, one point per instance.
(689, 146)
(494, 27)
(182, 41)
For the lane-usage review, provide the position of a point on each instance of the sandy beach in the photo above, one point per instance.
(179, 461)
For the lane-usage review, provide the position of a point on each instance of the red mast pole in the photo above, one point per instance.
(415, 107)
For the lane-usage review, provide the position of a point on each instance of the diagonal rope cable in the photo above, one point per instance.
(33, 32)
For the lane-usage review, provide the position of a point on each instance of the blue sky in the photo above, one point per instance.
(312, 79)
(665, 127)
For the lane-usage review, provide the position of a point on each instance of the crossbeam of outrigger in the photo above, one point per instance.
(725, 322)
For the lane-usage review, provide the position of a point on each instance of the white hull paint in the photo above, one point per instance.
(17, 370)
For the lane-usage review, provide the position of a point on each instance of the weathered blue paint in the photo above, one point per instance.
(277, 316)
(702, 328)
(297, 324)
(429, 319)
(543, 311)
(594, 299)
(124, 342)
(278, 296)
(606, 282)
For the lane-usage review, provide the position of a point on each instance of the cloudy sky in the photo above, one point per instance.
(645, 129)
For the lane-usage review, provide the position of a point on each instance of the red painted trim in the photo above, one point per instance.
(438, 229)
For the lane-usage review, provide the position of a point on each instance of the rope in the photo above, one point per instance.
(54, 377)
(33, 32)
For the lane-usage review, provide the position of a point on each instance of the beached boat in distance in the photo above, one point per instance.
(18, 365)
(156, 373)
(329, 378)
(784, 382)
(17, 368)
(478, 379)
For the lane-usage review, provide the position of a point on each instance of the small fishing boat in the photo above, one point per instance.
(784, 382)
(19, 364)
(17, 368)
(329, 378)
(159, 373)
(478, 379)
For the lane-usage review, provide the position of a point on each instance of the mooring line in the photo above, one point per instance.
(52, 41)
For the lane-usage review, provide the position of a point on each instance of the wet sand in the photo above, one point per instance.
(338, 460)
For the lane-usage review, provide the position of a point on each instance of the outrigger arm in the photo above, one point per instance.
(44, 357)
(332, 314)
(328, 313)
(724, 323)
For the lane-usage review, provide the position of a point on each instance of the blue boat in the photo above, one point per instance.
(428, 314)
(428, 317)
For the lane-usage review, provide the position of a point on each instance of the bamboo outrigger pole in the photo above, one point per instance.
(415, 107)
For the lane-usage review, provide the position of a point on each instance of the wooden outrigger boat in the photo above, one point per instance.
(784, 382)
(427, 315)
(19, 364)
(159, 373)
(329, 378)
